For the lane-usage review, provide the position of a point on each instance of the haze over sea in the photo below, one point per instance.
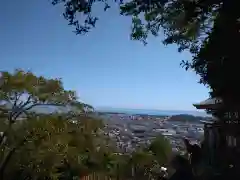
(151, 111)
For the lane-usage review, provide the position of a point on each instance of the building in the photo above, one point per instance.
(221, 135)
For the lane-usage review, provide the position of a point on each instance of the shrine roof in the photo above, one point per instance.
(211, 103)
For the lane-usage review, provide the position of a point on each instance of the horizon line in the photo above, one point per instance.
(153, 109)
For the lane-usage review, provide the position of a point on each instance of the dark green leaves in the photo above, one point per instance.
(22, 91)
(35, 144)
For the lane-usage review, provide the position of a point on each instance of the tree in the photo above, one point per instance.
(142, 161)
(118, 166)
(208, 29)
(148, 161)
(54, 148)
(21, 96)
(162, 150)
(22, 93)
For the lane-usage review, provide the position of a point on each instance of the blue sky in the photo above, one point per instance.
(105, 67)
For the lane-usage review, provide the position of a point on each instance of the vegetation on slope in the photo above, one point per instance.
(185, 118)
(60, 145)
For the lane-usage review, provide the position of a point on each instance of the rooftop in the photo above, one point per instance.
(210, 103)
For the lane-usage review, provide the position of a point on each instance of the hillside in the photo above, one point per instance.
(185, 118)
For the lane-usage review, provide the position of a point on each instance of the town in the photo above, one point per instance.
(133, 131)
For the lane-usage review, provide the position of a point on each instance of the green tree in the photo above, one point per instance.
(142, 161)
(22, 92)
(53, 148)
(162, 150)
(121, 167)
(38, 140)
(146, 162)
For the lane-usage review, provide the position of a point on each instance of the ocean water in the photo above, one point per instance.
(152, 112)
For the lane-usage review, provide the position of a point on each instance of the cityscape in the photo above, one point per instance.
(133, 131)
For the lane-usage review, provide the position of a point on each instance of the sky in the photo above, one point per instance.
(105, 67)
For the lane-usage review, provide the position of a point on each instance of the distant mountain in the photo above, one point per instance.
(44, 109)
(186, 118)
(48, 109)
(151, 112)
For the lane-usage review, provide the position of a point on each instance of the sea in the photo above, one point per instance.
(153, 112)
(49, 109)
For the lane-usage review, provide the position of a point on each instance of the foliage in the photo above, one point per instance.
(119, 166)
(52, 144)
(38, 145)
(142, 161)
(208, 29)
(65, 144)
(23, 91)
(147, 162)
(182, 21)
(162, 150)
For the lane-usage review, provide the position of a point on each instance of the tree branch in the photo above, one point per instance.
(21, 108)
(34, 105)
(2, 139)
(16, 99)
(14, 106)
(27, 102)
(8, 157)
(11, 153)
